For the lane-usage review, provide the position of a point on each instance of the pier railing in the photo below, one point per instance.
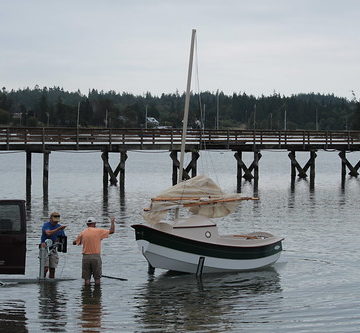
(170, 137)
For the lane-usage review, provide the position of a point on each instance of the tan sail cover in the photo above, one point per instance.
(199, 194)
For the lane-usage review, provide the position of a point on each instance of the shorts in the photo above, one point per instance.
(91, 265)
(52, 260)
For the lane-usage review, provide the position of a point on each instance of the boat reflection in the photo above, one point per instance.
(91, 309)
(182, 302)
(52, 307)
(13, 317)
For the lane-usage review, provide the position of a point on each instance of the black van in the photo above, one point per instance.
(12, 236)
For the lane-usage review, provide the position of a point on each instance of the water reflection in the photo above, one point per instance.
(45, 211)
(299, 190)
(13, 317)
(115, 195)
(105, 201)
(184, 303)
(122, 203)
(45, 201)
(91, 309)
(52, 307)
(296, 182)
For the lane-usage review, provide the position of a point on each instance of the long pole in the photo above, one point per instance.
(217, 109)
(78, 115)
(254, 116)
(186, 109)
(204, 111)
(146, 112)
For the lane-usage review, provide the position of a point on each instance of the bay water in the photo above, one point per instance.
(314, 287)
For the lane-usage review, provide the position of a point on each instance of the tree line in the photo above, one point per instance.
(41, 107)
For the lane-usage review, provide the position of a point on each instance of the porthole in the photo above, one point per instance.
(207, 234)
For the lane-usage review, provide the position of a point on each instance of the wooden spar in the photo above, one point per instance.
(211, 202)
(174, 198)
(207, 202)
(186, 113)
(201, 198)
(200, 203)
(186, 109)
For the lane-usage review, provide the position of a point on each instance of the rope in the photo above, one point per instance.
(207, 162)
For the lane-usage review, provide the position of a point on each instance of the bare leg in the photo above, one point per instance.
(87, 282)
(97, 282)
(52, 273)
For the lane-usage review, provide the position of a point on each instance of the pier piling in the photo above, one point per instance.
(120, 140)
(46, 176)
(192, 166)
(108, 171)
(28, 177)
(248, 176)
(302, 171)
(345, 163)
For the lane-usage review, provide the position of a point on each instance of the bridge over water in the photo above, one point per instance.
(117, 140)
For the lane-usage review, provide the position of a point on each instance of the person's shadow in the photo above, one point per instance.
(90, 319)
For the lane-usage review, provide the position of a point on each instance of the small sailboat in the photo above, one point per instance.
(192, 243)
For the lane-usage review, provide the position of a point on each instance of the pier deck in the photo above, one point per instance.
(48, 139)
(52, 139)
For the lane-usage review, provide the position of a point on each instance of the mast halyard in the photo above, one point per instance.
(186, 109)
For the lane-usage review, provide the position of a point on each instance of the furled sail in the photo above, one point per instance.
(199, 194)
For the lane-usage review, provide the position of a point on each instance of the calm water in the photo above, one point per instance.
(314, 287)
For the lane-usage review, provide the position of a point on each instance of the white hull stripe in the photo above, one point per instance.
(169, 259)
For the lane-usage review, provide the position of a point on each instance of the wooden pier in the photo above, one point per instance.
(46, 140)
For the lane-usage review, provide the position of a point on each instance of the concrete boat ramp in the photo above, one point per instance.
(6, 282)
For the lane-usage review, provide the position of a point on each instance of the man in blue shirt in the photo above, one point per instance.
(52, 230)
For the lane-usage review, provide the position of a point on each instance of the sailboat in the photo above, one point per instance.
(192, 243)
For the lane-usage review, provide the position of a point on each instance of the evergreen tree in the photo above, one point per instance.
(60, 108)
(356, 117)
(43, 113)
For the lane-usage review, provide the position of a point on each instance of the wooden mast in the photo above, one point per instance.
(186, 109)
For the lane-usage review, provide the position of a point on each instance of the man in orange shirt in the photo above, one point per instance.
(90, 238)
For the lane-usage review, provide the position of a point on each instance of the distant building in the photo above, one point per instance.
(197, 124)
(152, 122)
(16, 115)
(164, 127)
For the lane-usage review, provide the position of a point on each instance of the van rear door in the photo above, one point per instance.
(12, 236)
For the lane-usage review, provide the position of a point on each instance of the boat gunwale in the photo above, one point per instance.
(192, 226)
(214, 245)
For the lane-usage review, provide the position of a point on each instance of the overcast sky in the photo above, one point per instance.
(253, 46)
